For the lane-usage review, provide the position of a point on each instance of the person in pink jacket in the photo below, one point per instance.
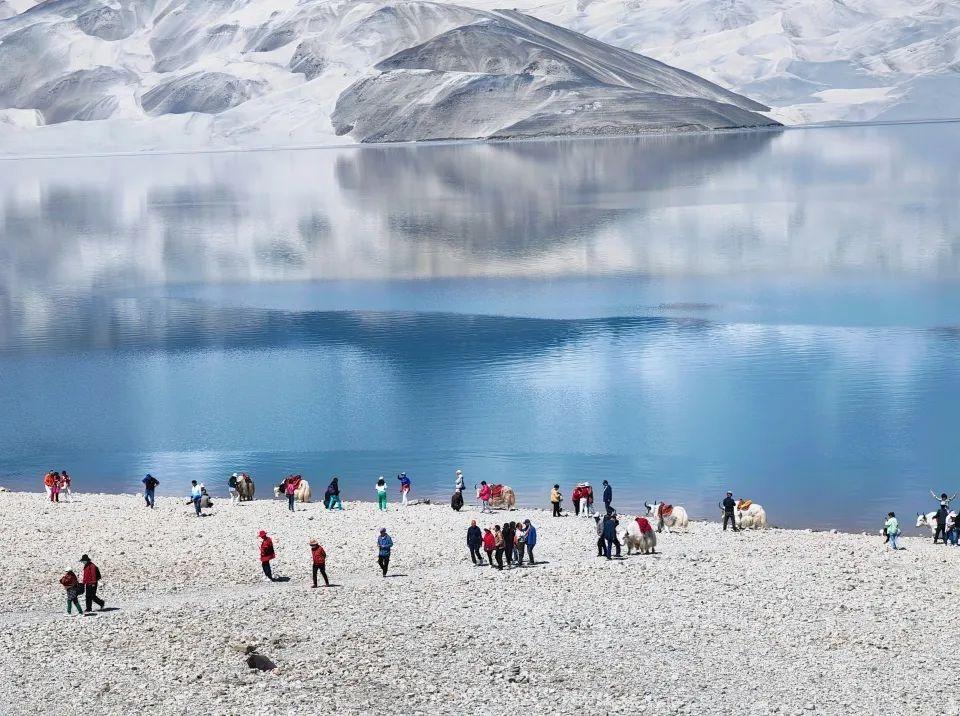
(484, 494)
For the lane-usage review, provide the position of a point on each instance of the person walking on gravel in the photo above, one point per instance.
(892, 529)
(728, 505)
(267, 553)
(404, 487)
(72, 585)
(531, 539)
(384, 546)
(381, 494)
(319, 562)
(196, 494)
(475, 542)
(149, 490)
(333, 495)
(489, 544)
(91, 578)
(484, 495)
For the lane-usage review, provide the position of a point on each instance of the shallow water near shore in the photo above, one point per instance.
(773, 313)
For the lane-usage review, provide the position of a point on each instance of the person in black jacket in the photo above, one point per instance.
(728, 506)
(940, 518)
(609, 535)
(475, 542)
(607, 496)
(509, 531)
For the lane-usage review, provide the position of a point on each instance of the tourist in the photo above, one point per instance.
(940, 520)
(489, 544)
(575, 496)
(456, 501)
(55, 488)
(232, 486)
(519, 542)
(601, 546)
(607, 497)
(381, 494)
(475, 542)
(384, 545)
(498, 545)
(531, 539)
(65, 482)
(332, 497)
(291, 490)
(404, 487)
(267, 554)
(587, 506)
(319, 562)
(892, 529)
(952, 530)
(196, 495)
(72, 585)
(48, 481)
(509, 535)
(728, 505)
(610, 535)
(556, 499)
(149, 490)
(944, 500)
(458, 484)
(91, 576)
(484, 494)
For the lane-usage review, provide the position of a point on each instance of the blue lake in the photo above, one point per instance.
(773, 313)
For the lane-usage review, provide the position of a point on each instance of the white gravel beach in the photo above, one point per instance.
(779, 621)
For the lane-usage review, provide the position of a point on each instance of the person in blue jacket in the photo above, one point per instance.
(607, 496)
(384, 545)
(531, 539)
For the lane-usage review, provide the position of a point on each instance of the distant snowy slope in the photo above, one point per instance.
(80, 75)
(92, 75)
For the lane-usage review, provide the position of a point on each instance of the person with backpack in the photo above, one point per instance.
(72, 585)
(891, 528)
(91, 578)
(531, 539)
(475, 542)
(319, 562)
(149, 490)
(333, 495)
(267, 553)
(234, 492)
(458, 484)
(404, 487)
(384, 546)
(381, 494)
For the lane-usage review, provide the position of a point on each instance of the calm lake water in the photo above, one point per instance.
(773, 313)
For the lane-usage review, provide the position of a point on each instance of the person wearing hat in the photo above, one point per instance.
(728, 505)
(149, 490)
(459, 485)
(531, 539)
(232, 485)
(381, 494)
(384, 545)
(267, 553)
(319, 562)
(404, 487)
(91, 576)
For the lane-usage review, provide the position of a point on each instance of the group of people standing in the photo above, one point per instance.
(510, 541)
(57, 484)
(582, 498)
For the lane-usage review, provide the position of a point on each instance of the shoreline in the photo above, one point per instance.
(791, 621)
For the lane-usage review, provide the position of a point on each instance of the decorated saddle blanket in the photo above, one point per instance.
(664, 510)
(744, 504)
(644, 524)
(496, 492)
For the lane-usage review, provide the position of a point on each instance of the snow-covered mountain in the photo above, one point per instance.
(107, 75)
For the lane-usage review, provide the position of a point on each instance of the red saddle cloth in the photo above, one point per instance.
(496, 491)
(664, 510)
(644, 524)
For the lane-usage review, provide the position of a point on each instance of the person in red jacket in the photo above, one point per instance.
(91, 577)
(489, 544)
(266, 554)
(319, 562)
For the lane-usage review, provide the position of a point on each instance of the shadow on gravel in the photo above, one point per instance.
(394, 576)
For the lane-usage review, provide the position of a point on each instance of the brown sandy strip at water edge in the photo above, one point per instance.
(780, 621)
